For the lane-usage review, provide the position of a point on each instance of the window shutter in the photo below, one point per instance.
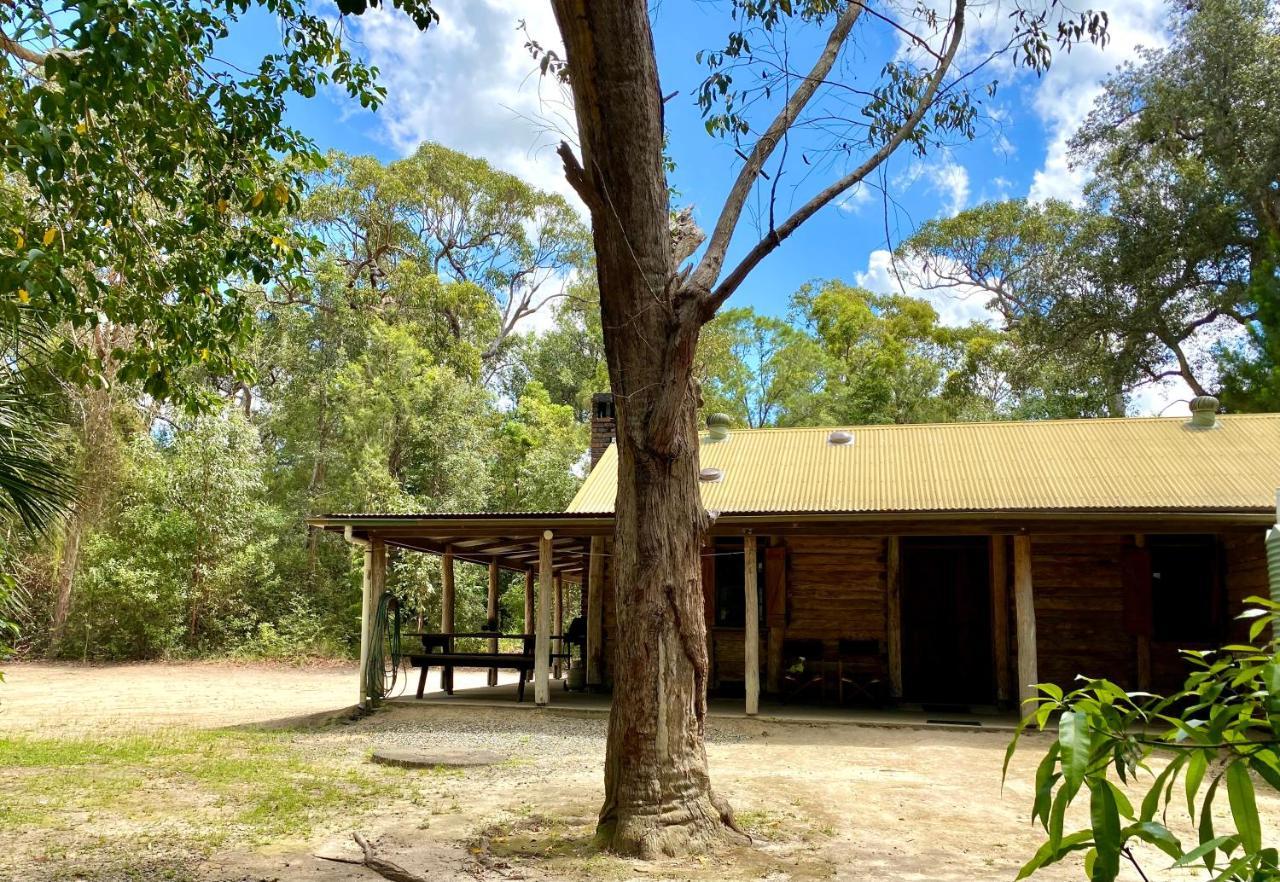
(1135, 567)
(709, 585)
(775, 586)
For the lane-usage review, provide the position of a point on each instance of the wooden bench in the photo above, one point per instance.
(447, 661)
(438, 652)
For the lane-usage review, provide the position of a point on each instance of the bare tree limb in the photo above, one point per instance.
(712, 300)
(384, 868)
(577, 176)
(17, 50)
(708, 269)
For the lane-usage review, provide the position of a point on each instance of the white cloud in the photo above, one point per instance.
(1064, 95)
(1067, 92)
(852, 201)
(470, 84)
(943, 176)
(956, 307)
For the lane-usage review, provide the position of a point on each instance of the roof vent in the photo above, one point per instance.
(840, 438)
(1204, 412)
(710, 476)
(718, 426)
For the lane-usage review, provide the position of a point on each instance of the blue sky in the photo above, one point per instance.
(471, 85)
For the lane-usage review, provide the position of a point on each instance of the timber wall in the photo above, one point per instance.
(836, 588)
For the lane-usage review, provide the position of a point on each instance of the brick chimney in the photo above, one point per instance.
(604, 425)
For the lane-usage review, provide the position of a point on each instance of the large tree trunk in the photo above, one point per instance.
(658, 796)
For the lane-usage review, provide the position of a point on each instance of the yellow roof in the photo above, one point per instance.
(1156, 464)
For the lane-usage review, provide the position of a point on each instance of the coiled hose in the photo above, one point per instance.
(384, 650)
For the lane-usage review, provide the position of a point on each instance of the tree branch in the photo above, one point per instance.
(577, 176)
(17, 50)
(708, 269)
(712, 300)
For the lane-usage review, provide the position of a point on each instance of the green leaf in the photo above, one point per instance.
(1045, 779)
(1266, 771)
(1195, 774)
(1151, 802)
(1204, 850)
(1073, 736)
(1008, 756)
(1105, 818)
(1244, 807)
(1122, 801)
(1206, 820)
(1056, 815)
(1048, 854)
(1156, 834)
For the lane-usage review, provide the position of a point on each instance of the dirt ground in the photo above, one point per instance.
(821, 801)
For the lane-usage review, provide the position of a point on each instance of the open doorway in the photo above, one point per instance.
(946, 621)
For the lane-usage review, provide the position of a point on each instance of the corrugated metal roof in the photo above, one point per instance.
(1156, 464)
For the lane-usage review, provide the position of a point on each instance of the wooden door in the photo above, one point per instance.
(947, 655)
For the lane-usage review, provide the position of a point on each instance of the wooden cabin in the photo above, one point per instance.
(944, 566)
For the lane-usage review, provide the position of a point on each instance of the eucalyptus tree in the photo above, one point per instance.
(154, 171)
(658, 291)
(1169, 271)
(490, 249)
(1038, 267)
(1185, 145)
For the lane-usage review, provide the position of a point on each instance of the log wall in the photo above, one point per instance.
(1245, 574)
(836, 588)
(1077, 583)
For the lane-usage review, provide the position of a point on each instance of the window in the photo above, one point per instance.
(1185, 589)
(730, 568)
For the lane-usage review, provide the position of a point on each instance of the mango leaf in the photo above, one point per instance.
(1157, 835)
(1105, 818)
(1056, 815)
(1206, 822)
(1266, 772)
(1122, 801)
(1151, 802)
(1244, 807)
(1073, 736)
(1045, 779)
(1195, 774)
(1048, 853)
(1204, 850)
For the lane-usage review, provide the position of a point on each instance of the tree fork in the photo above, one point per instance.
(658, 796)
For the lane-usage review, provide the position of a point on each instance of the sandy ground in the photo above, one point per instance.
(823, 801)
(205, 694)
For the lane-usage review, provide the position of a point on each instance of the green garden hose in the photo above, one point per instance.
(384, 650)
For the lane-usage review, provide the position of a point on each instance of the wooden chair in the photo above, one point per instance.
(860, 667)
(803, 668)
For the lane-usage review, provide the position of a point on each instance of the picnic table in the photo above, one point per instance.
(440, 650)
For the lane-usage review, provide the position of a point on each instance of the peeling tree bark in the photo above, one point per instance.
(658, 795)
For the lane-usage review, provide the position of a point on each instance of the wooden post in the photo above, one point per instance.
(375, 584)
(493, 615)
(1143, 640)
(366, 622)
(558, 625)
(775, 613)
(774, 662)
(893, 580)
(542, 641)
(595, 612)
(447, 598)
(1000, 616)
(530, 625)
(1025, 612)
(751, 632)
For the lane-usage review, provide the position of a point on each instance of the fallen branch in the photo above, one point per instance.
(384, 868)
